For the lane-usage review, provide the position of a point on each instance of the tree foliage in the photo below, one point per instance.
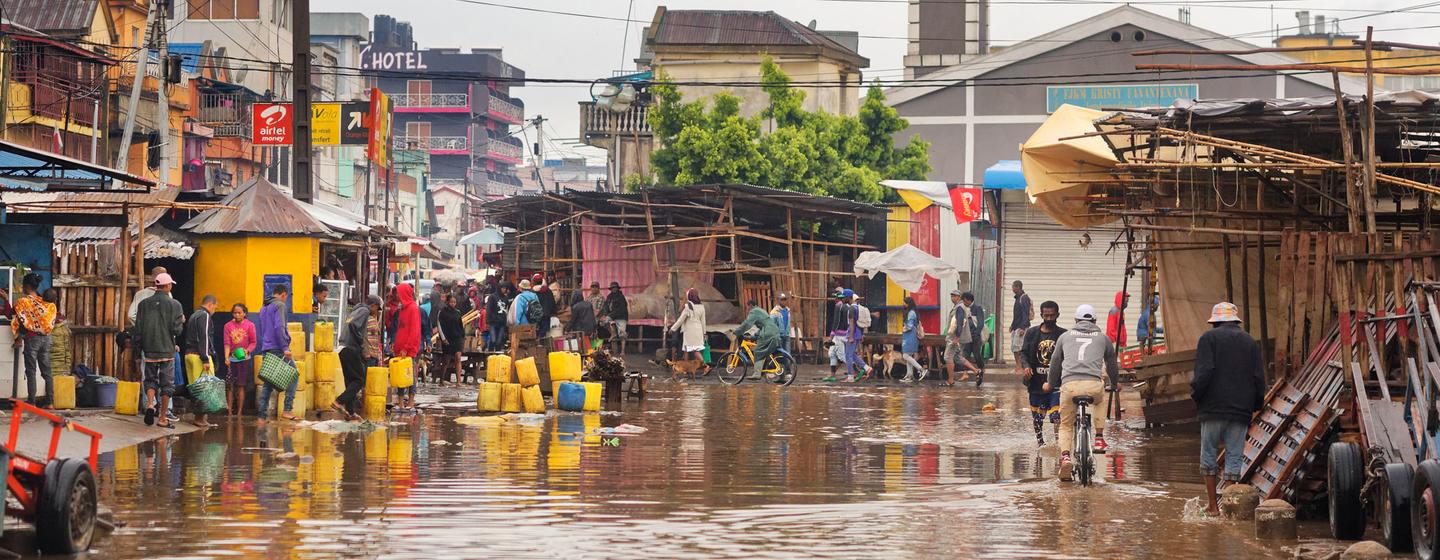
(710, 141)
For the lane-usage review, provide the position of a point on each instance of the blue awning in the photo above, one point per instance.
(25, 168)
(1005, 174)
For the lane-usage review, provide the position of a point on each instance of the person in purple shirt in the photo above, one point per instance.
(275, 344)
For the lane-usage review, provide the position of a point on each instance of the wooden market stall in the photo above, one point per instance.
(733, 243)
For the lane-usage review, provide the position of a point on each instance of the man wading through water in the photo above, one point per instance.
(1229, 387)
(1036, 350)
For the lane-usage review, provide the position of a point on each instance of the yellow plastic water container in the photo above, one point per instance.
(324, 395)
(510, 397)
(301, 405)
(564, 366)
(194, 367)
(64, 398)
(127, 398)
(402, 372)
(303, 367)
(532, 400)
(297, 345)
(375, 407)
(497, 368)
(324, 340)
(488, 400)
(255, 373)
(525, 372)
(327, 366)
(593, 394)
(377, 381)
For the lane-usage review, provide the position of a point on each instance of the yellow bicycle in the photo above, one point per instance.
(779, 366)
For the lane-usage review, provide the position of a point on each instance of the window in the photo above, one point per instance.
(417, 87)
(223, 9)
(439, 210)
(135, 36)
(246, 9)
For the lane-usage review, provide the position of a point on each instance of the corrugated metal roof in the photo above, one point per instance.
(259, 207)
(53, 16)
(737, 27)
(92, 203)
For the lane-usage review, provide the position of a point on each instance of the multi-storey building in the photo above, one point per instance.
(340, 171)
(56, 54)
(453, 105)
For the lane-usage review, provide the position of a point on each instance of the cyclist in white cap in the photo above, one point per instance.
(1083, 357)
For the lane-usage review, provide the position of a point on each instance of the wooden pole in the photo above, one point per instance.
(1264, 312)
(1245, 280)
(1369, 130)
(1229, 282)
(1347, 146)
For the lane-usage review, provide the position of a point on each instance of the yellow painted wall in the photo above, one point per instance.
(897, 233)
(1398, 58)
(233, 269)
(737, 67)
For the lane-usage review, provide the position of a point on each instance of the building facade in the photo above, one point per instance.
(57, 60)
(1003, 97)
(340, 170)
(454, 106)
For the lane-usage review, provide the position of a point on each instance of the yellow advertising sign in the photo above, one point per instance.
(325, 124)
(379, 127)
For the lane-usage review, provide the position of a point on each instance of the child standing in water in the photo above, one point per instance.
(239, 345)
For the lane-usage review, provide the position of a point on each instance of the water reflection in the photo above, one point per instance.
(721, 471)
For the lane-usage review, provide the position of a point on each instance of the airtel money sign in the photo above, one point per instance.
(272, 124)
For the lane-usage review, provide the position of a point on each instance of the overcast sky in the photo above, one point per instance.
(561, 46)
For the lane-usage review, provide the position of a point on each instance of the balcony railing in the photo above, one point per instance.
(505, 150)
(599, 121)
(223, 108)
(431, 100)
(507, 110)
(432, 143)
(231, 130)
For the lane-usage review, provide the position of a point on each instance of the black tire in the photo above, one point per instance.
(1424, 504)
(1394, 507)
(732, 368)
(788, 371)
(1084, 461)
(1346, 476)
(65, 516)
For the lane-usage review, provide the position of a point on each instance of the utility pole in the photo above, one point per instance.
(162, 106)
(539, 149)
(300, 81)
(134, 102)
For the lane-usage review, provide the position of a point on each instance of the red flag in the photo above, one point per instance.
(966, 202)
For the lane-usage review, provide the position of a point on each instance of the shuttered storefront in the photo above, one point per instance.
(1049, 260)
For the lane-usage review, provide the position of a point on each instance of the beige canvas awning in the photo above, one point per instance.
(1048, 162)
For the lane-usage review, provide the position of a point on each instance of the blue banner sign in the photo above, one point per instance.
(1127, 96)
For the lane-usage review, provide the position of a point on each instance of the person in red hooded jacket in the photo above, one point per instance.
(407, 337)
(1115, 321)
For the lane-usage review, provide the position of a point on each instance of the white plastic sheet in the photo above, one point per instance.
(906, 266)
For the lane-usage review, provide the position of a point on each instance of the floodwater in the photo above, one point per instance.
(739, 472)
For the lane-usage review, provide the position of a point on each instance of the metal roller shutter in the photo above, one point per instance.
(1049, 260)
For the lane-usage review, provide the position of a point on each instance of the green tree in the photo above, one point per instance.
(710, 141)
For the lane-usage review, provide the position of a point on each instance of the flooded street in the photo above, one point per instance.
(742, 472)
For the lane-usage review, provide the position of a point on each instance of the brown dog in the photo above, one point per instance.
(687, 368)
(887, 361)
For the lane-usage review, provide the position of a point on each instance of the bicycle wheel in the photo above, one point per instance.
(1084, 462)
(788, 371)
(780, 369)
(733, 368)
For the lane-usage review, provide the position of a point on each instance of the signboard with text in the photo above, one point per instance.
(379, 128)
(272, 124)
(354, 124)
(325, 120)
(1118, 96)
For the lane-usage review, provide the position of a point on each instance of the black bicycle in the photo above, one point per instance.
(1082, 457)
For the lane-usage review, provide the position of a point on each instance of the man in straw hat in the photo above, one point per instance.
(1229, 386)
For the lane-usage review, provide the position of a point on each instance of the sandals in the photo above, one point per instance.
(290, 417)
(150, 416)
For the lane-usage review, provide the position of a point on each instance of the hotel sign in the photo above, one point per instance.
(1120, 97)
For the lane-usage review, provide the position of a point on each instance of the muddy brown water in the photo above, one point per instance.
(739, 472)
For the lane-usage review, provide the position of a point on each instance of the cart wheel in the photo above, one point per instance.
(1346, 475)
(1425, 533)
(1395, 506)
(65, 518)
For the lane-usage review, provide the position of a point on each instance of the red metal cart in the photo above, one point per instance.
(57, 496)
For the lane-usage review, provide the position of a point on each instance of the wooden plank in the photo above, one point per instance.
(1283, 354)
(1318, 313)
(1171, 413)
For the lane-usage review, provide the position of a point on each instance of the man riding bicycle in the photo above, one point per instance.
(1083, 356)
(768, 337)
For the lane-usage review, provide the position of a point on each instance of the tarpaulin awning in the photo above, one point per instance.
(1053, 155)
(919, 195)
(336, 219)
(1005, 174)
(487, 236)
(906, 266)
